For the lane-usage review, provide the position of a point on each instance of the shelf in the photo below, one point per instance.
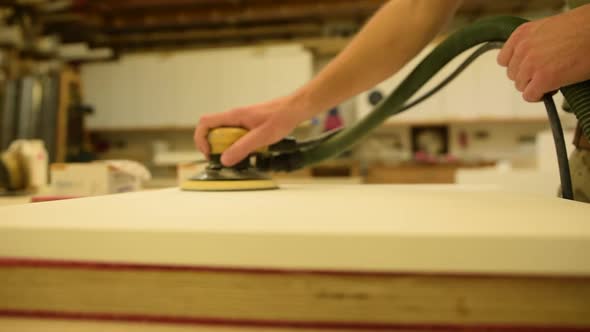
(109, 130)
(139, 129)
(389, 124)
(455, 121)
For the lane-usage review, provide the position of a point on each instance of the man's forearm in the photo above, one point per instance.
(392, 37)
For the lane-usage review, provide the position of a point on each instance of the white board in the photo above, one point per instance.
(334, 227)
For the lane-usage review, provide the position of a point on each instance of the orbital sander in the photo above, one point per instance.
(217, 177)
(288, 154)
(248, 174)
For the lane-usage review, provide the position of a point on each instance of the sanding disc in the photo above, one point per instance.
(229, 179)
(228, 185)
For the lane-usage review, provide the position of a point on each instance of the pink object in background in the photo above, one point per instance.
(333, 120)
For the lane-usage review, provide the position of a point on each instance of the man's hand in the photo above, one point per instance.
(268, 123)
(550, 53)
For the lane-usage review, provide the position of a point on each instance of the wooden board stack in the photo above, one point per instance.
(304, 257)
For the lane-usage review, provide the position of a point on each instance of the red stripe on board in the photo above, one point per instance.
(39, 199)
(319, 325)
(8, 262)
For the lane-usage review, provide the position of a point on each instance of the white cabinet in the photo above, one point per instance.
(175, 89)
(481, 92)
(493, 91)
(430, 108)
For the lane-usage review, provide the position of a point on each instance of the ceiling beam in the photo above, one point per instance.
(288, 30)
(508, 6)
(154, 14)
(147, 23)
(283, 10)
(118, 6)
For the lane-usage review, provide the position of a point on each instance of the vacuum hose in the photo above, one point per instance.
(496, 29)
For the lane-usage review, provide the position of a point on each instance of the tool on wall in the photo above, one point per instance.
(491, 31)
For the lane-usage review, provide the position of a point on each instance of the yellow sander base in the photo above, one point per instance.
(228, 185)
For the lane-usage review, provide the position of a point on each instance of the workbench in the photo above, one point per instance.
(305, 256)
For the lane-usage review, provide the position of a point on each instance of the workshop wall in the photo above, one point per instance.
(148, 104)
(505, 132)
(130, 81)
(503, 128)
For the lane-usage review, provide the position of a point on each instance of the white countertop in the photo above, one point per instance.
(344, 227)
(14, 200)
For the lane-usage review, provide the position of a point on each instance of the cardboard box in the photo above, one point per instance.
(89, 179)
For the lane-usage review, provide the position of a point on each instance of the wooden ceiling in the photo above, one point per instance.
(131, 25)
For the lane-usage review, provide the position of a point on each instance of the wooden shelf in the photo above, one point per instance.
(454, 121)
(108, 130)
(389, 124)
(418, 173)
(140, 129)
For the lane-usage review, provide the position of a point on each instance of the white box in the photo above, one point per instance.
(89, 179)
